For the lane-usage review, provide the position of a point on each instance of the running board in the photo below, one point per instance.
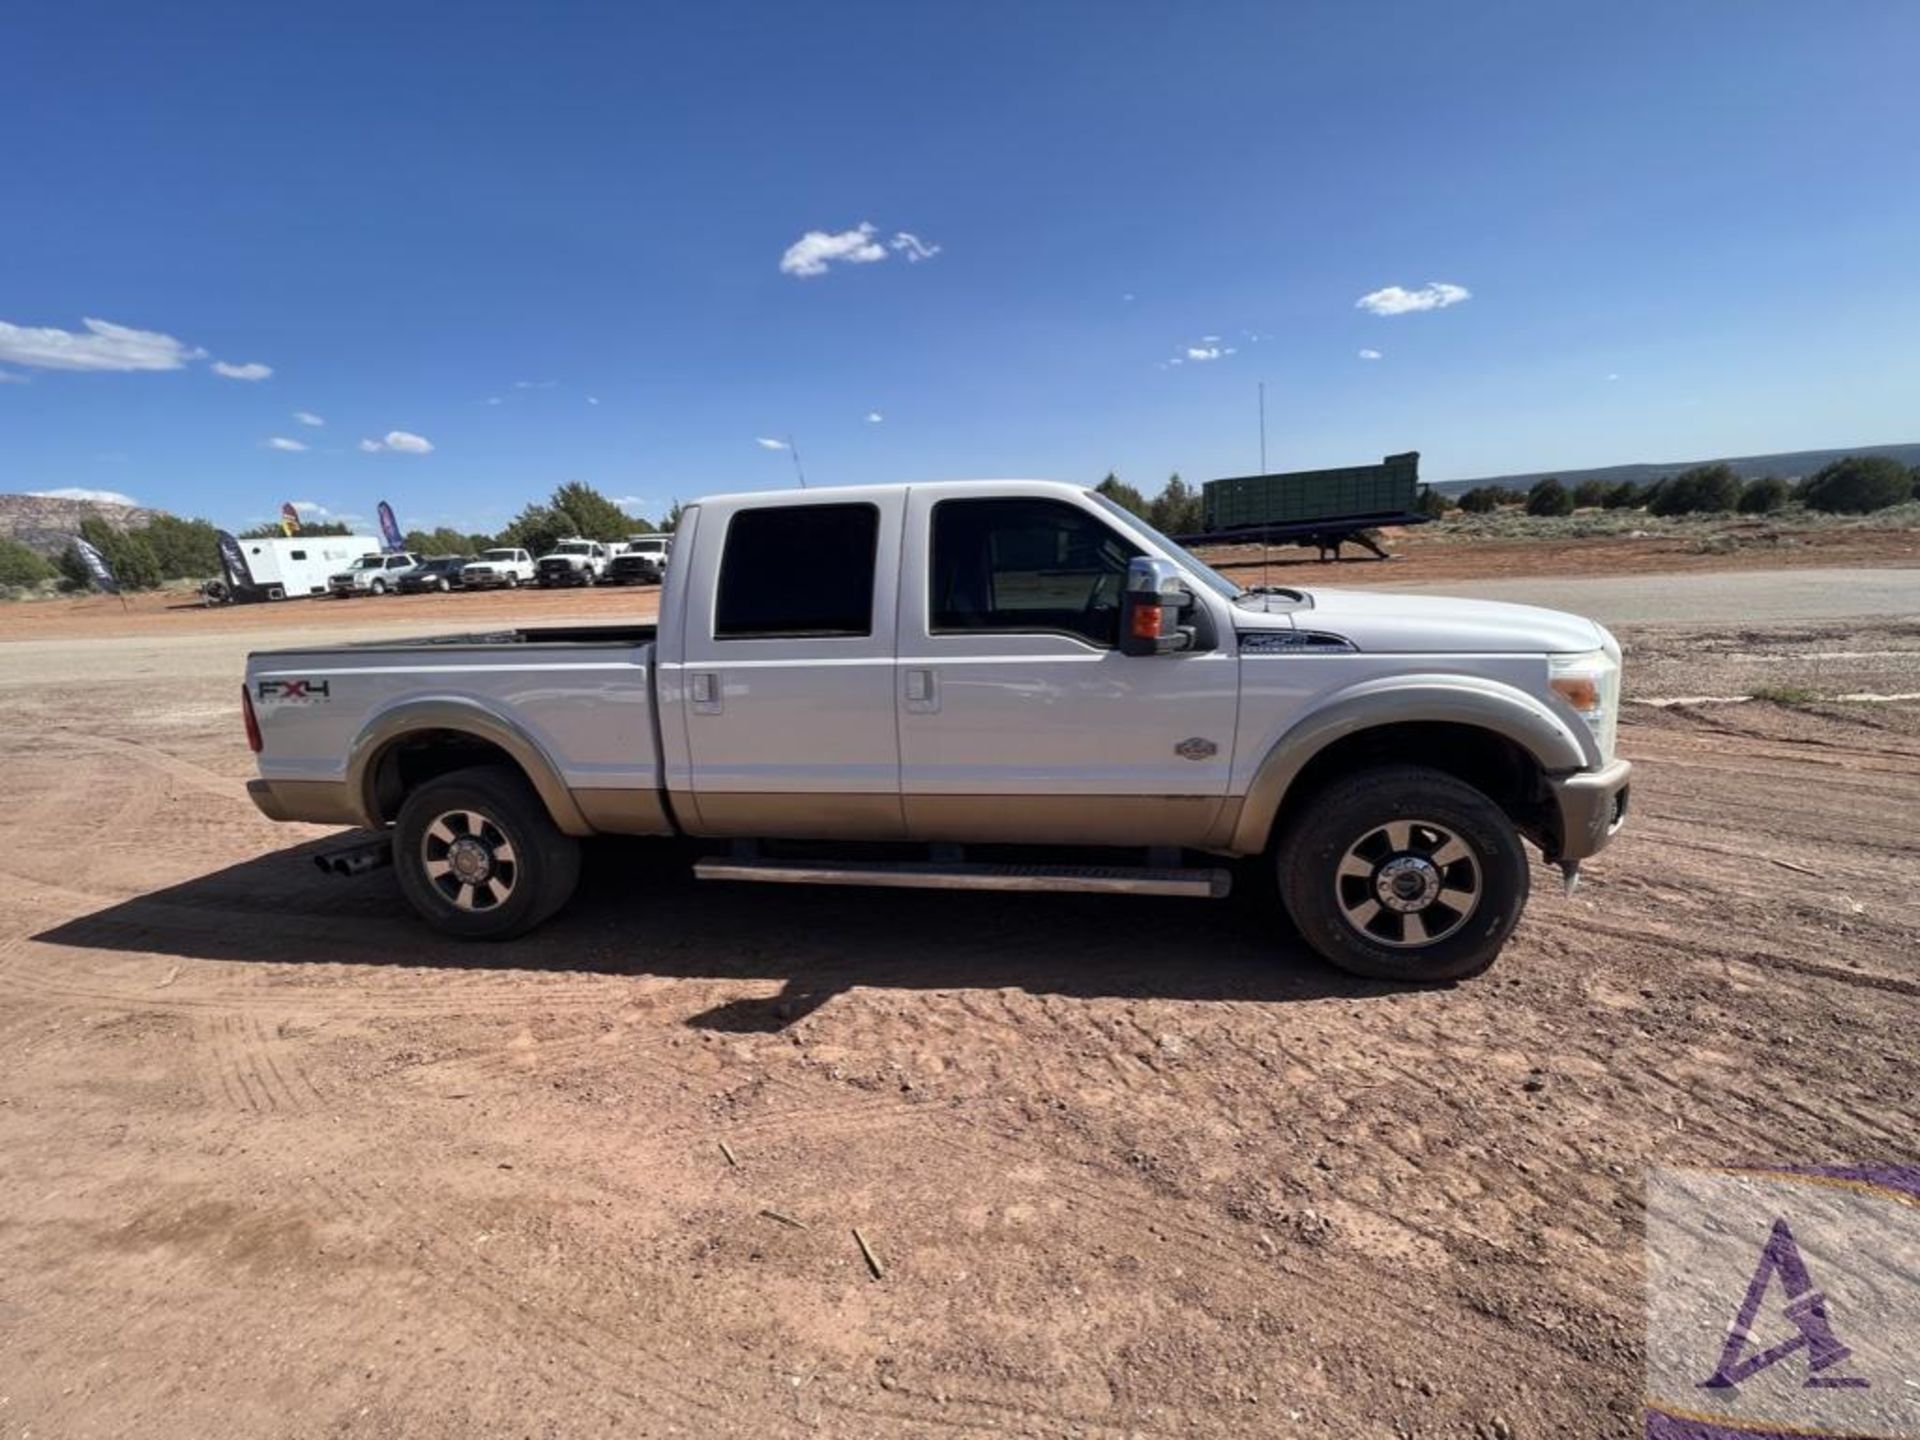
(1086, 879)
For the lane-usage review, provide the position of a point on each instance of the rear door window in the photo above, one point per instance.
(797, 570)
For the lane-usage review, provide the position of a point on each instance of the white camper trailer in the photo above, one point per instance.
(292, 566)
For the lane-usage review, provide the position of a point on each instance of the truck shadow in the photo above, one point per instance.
(638, 911)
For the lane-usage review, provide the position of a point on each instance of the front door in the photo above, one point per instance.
(787, 684)
(1020, 720)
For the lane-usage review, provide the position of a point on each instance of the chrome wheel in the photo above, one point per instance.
(469, 860)
(1407, 883)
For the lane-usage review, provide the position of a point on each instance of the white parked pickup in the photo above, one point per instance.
(993, 671)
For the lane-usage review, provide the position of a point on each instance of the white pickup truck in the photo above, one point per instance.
(973, 672)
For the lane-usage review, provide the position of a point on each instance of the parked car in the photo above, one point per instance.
(1005, 663)
(634, 567)
(437, 572)
(370, 575)
(504, 566)
(571, 562)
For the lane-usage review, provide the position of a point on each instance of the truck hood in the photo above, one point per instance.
(1388, 623)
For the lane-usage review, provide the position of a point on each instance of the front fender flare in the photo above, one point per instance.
(468, 717)
(1556, 745)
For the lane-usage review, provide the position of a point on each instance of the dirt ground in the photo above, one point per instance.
(280, 1162)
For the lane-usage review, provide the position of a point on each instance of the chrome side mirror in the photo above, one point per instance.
(1151, 606)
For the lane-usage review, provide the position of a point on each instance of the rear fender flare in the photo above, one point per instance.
(1556, 744)
(467, 717)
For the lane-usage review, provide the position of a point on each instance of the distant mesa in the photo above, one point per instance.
(47, 525)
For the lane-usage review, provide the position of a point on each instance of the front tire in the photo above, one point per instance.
(1403, 873)
(479, 857)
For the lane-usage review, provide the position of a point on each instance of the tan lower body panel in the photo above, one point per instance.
(753, 816)
(318, 802)
(624, 812)
(1184, 820)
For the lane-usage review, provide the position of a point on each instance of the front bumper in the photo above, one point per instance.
(1592, 806)
(565, 577)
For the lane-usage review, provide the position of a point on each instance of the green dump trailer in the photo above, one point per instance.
(1380, 494)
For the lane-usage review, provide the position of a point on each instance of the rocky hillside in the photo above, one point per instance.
(47, 525)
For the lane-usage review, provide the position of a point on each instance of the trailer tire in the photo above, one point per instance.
(479, 857)
(1401, 872)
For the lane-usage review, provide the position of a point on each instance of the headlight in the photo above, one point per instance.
(1590, 683)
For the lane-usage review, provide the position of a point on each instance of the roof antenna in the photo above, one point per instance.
(794, 450)
(1266, 548)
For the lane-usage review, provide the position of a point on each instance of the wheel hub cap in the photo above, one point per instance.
(1407, 883)
(470, 860)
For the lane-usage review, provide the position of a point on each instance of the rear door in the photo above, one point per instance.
(785, 672)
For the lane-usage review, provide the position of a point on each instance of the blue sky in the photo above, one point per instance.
(547, 241)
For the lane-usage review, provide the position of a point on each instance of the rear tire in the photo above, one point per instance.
(479, 857)
(1403, 873)
(379, 587)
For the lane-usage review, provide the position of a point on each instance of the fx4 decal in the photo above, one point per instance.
(294, 692)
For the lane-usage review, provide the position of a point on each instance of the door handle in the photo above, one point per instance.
(921, 691)
(704, 690)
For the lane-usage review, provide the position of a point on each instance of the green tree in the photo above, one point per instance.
(538, 528)
(444, 541)
(1590, 493)
(1856, 485)
(1123, 494)
(1176, 510)
(127, 554)
(1763, 496)
(21, 566)
(186, 549)
(1623, 496)
(594, 515)
(1549, 497)
(670, 521)
(1431, 502)
(1481, 500)
(1705, 489)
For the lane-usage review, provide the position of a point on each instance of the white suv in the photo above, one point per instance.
(370, 575)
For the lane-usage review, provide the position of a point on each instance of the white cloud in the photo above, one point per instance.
(105, 346)
(76, 492)
(1370, 355)
(7, 377)
(401, 441)
(630, 501)
(310, 509)
(252, 370)
(535, 384)
(281, 442)
(814, 251)
(905, 242)
(493, 400)
(1210, 339)
(593, 399)
(765, 444)
(1613, 377)
(874, 417)
(1394, 300)
(1199, 353)
(1127, 296)
(307, 417)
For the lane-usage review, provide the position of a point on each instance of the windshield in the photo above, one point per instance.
(574, 549)
(1209, 576)
(368, 562)
(497, 555)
